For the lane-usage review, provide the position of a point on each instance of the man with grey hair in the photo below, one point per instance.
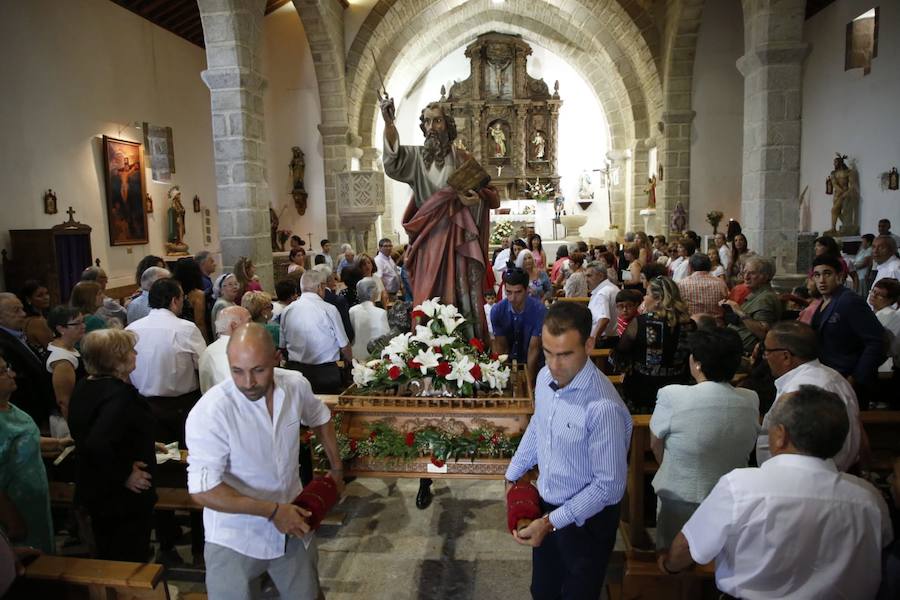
(214, 360)
(313, 336)
(387, 268)
(207, 264)
(602, 305)
(347, 255)
(139, 307)
(884, 259)
(702, 292)
(795, 527)
(33, 388)
(369, 321)
(760, 309)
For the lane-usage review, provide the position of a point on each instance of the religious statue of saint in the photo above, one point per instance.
(650, 190)
(843, 206)
(679, 218)
(274, 222)
(175, 223)
(584, 187)
(448, 229)
(496, 132)
(539, 144)
(298, 168)
(893, 179)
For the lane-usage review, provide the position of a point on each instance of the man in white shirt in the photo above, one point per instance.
(680, 267)
(602, 306)
(387, 268)
(791, 349)
(214, 361)
(140, 307)
(795, 527)
(326, 252)
(314, 336)
(884, 228)
(884, 259)
(722, 249)
(169, 350)
(244, 436)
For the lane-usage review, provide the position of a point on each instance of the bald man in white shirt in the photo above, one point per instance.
(244, 436)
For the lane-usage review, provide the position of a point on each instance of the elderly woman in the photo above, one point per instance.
(64, 361)
(576, 285)
(369, 321)
(113, 430)
(24, 491)
(700, 432)
(761, 307)
(260, 307)
(225, 292)
(654, 349)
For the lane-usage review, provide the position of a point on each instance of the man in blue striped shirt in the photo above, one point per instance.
(578, 438)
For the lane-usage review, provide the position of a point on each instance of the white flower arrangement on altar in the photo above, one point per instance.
(539, 191)
(435, 359)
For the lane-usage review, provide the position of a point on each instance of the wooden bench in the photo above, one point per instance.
(63, 577)
(63, 494)
(580, 299)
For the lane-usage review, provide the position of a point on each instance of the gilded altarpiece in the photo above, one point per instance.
(507, 119)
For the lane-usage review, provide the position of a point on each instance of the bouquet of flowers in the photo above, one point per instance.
(539, 191)
(436, 359)
(714, 217)
(502, 230)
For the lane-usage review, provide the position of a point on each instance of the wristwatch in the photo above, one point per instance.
(549, 522)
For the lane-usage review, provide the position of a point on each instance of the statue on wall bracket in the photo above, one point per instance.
(175, 223)
(844, 186)
(298, 169)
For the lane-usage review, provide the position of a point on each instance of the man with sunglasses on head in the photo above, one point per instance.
(790, 349)
(517, 321)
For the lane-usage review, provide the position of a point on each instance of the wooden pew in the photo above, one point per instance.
(64, 577)
(580, 299)
(63, 494)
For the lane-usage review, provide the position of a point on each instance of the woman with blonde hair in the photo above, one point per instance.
(260, 307)
(113, 430)
(538, 282)
(654, 349)
(631, 276)
(87, 298)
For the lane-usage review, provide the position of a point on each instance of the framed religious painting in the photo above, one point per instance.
(126, 211)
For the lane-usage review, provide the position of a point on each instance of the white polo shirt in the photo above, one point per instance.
(168, 354)
(817, 374)
(794, 528)
(233, 440)
(214, 367)
(312, 331)
(387, 272)
(603, 306)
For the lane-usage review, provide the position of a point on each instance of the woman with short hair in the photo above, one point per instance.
(576, 285)
(369, 321)
(653, 352)
(260, 307)
(700, 432)
(113, 430)
(225, 293)
(64, 363)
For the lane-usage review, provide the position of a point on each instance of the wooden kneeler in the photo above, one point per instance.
(64, 578)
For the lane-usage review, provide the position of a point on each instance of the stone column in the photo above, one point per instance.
(618, 192)
(232, 30)
(773, 73)
(640, 163)
(675, 157)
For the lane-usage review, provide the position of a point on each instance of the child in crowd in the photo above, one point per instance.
(490, 298)
(627, 302)
(297, 258)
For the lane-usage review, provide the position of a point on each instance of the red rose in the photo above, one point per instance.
(480, 438)
(443, 369)
(437, 462)
(495, 440)
(394, 372)
(477, 344)
(476, 372)
(437, 350)
(410, 439)
(413, 364)
(307, 436)
(353, 445)
(373, 435)
(494, 356)
(418, 314)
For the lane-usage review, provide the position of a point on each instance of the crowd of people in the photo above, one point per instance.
(704, 342)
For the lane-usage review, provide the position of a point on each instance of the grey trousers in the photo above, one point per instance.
(671, 515)
(231, 575)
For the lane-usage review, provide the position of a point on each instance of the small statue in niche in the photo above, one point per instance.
(539, 144)
(893, 179)
(679, 218)
(273, 225)
(298, 168)
(559, 205)
(650, 190)
(196, 203)
(148, 204)
(50, 203)
(585, 191)
(845, 191)
(175, 223)
(499, 137)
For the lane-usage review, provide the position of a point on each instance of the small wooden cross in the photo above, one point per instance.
(309, 235)
(71, 214)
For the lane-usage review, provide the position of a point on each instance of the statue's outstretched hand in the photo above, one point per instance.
(386, 105)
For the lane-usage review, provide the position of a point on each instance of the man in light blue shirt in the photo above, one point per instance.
(578, 438)
(140, 307)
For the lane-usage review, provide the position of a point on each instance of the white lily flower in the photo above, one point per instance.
(362, 374)
(449, 311)
(459, 371)
(375, 362)
(451, 322)
(495, 374)
(430, 307)
(423, 335)
(427, 359)
(398, 345)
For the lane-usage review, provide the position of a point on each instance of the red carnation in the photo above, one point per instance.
(394, 372)
(495, 440)
(443, 369)
(494, 356)
(477, 344)
(373, 435)
(410, 439)
(480, 438)
(307, 436)
(412, 364)
(418, 314)
(353, 445)
(437, 462)
(476, 372)
(437, 350)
